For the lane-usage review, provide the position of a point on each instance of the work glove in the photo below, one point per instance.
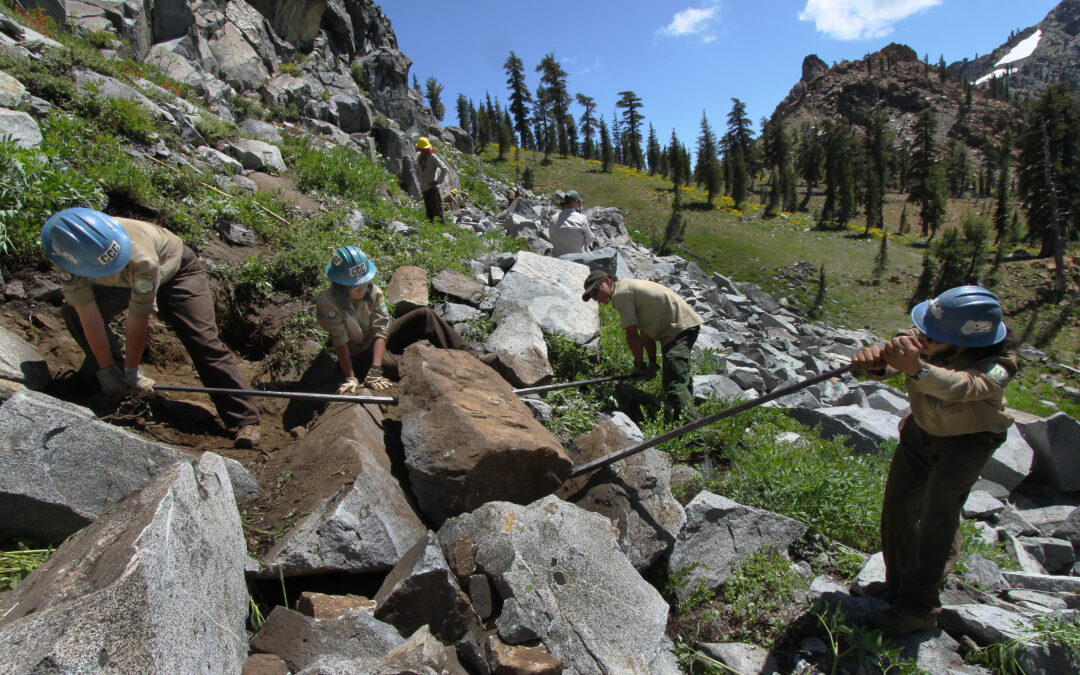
(375, 380)
(139, 384)
(112, 381)
(349, 387)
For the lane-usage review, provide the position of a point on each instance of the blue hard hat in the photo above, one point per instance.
(350, 267)
(968, 316)
(86, 242)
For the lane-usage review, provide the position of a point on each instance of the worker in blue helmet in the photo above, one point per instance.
(92, 249)
(367, 343)
(958, 359)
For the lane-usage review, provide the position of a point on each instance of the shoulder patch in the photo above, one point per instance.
(66, 277)
(998, 373)
(382, 307)
(331, 314)
(143, 285)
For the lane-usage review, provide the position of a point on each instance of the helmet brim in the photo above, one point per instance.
(925, 323)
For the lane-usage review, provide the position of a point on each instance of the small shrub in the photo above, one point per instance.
(245, 108)
(291, 69)
(757, 596)
(214, 129)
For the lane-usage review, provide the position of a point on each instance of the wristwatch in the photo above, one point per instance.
(922, 372)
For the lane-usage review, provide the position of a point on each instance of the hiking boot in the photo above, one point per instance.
(896, 622)
(247, 436)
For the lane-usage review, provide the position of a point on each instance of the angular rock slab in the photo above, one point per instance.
(549, 290)
(300, 641)
(1011, 462)
(407, 289)
(421, 590)
(155, 586)
(1055, 440)
(61, 467)
(570, 579)
(634, 493)
(459, 287)
(865, 428)
(468, 438)
(368, 524)
(720, 533)
(522, 352)
(21, 362)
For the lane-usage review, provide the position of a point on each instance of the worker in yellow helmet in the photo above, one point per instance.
(432, 172)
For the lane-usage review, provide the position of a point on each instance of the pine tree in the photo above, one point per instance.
(631, 119)
(737, 151)
(434, 97)
(676, 224)
(606, 155)
(553, 79)
(840, 172)
(951, 257)
(877, 147)
(927, 181)
(811, 162)
(924, 287)
(976, 239)
(505, 134)
(903, 227)
(674, 152)
(778, 157)
(588, 126)
(1001, 209)
(463, 112)
(520, 99)
(652, 146)
(881, 260)
(707, 169)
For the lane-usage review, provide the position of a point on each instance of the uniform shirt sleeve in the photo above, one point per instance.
(77, 290)
(145, 279)
(623, 302)
(986, 379)
(440, 170)
(330, 319)
(380, 317)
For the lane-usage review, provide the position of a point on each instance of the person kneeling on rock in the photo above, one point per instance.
(366, 341)
(958, 362)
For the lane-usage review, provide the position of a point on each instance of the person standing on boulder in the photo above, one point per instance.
(958, 361)
(432, 172)
(93, 249)
(650, 314)
(570, 232)
(365, 340)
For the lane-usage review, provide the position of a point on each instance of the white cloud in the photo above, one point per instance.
(861, 19)
(693, 22)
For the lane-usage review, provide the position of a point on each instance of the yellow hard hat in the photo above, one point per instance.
(423, 143)
(454, 191)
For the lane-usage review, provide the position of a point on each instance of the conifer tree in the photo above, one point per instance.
(1001, 209)
(434, 97)
(588, 126)
(463, 112)
(553, 78)
(927, 182)
(505, 134)
(877, 147)
(674, 152)
(956, 174)
(520, 99)
(653, 151)
(676, 224)
(976, 239)
(881, 260)
(903, 227)
(631, 118)
(606, 154)
(811, 163)
(707, 169)
(840, 172)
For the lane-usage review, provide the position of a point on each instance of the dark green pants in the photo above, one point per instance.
(676, 378)
(929, 480)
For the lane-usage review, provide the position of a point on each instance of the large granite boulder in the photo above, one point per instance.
(634, 493)
(549, 290)
(864, 428)
(21, 362)
(572, 584)
(20, 128)
(1055, 440)
(468, 439)
(1011, 462)
(519, 345)
(407, 289)
(302, 641)
(156, 586)
(366, 523)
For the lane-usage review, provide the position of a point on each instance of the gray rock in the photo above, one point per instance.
(459, 287)
(986, 624)
(718, 386)
(22, 129)
(719, 534)
(519, 344)
(981, 505)
(1012, 523)
(238, 64)
(421, 590)
(606, 259)
(514, 625)
(407, 289)
(61, 467)
(365, 526)
(1054, 440)
(302, 641)
(218, 160)
(12, 92)
(1011, 462)
(983, 572)
(1028, 563)
(1069, 529)
(1042, 582)
(741, 657)
(634, 493)
(89, 82)
(457, 313)
(157, 585)
(236, 234)
(1052, 602)
(746, 378)
(1048, 518)
(257, 155)
(889, 402)
(549, 290)
(865, 428)
(871, 578)
(569, 577)
(21, 362)
(1056, 555)
(995, 490)
(244, 183)
(260, 131)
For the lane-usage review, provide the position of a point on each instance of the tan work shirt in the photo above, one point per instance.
(155, 259)
(430, 170)
(658, 312)
(570, 233)
(963, 396)
(359, 324)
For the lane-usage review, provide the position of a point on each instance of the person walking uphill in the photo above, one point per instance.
(365, 340)
(958, 362)
(570, 232)
(650, 314)
(93, 249)
(432, 172)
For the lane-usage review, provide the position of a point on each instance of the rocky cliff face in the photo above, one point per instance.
(1045, 53)
(897, 82)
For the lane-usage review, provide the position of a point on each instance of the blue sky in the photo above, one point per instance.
(684, 57)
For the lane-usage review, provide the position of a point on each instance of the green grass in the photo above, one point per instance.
(1032, 398)
(16, 564)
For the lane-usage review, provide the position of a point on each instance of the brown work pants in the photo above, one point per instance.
(929, 480)
(419, 324)
(433, 204)
(186, 305)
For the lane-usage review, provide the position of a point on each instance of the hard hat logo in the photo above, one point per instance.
(110, 253)
(935, 308)
(358, 271)
(976, 327)
(336, 260)
(66, 256)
